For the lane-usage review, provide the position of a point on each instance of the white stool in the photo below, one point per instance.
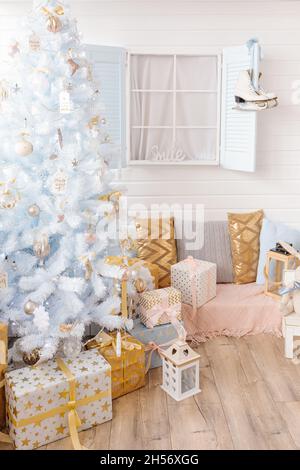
(290, 328)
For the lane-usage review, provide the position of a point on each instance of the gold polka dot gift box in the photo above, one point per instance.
(58, 398)
(160, 306)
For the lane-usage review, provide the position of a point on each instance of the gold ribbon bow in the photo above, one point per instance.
(57, 10)
(4, 437)
(70, 407)
(73, 417)
(102, 340)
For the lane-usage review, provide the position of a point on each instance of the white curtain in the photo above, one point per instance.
(155, 107)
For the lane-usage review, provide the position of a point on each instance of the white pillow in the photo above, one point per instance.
(271, 233)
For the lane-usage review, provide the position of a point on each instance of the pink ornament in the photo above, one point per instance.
(13, 49)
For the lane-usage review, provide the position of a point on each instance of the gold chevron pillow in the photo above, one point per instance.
(244, 231)
(156, 244)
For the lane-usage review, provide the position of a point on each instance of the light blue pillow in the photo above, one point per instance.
(271, 233)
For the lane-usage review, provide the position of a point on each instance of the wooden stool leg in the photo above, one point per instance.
(289, 343)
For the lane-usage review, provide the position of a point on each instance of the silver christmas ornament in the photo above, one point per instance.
(30, 307)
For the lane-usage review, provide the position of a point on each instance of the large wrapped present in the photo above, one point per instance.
(160, 306)
(57, 399)
(153, 268)
(3, 366)
(196, 281)
(158, 336)
(128, 368)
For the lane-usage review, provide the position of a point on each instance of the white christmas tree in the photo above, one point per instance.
(54, 157)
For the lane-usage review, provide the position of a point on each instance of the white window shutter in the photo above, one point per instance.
(238, 128)
(109, 71)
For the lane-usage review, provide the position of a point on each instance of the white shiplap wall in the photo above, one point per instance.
(209, 25)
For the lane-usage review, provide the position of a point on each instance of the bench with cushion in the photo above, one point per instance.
(237, 310)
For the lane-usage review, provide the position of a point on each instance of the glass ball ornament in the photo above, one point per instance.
(54, 24)
(33, 210)
(29, 307)
(71, 346)
(41, 246)
(8, 200)
(32, 357)
(90, 238)
(23, 147)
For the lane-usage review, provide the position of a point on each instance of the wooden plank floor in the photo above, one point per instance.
(250, 400)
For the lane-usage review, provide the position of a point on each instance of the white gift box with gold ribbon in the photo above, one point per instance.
(57, 399)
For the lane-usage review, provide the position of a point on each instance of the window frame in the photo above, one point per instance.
(174, 53)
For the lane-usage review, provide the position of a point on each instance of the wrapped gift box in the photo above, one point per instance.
(196, 281)
(3, 366)
(128, 370)
(55, 399)
(153, 269)
(160, 306)
(159, 335)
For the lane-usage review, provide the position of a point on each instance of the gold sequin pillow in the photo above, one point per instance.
(244, 231)
(156, 244)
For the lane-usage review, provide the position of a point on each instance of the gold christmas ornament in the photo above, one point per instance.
(59, 183)
(34, 42)
(93, 122)
(140, 285)
(33, 210)
(74, 66)
(30, 307)
(41, 246)
(8, 199)
(32, 357)
(66, 327)
(59, 10)
(54, 24)
(23, 147)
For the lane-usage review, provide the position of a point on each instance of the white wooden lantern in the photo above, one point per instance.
(180, 371)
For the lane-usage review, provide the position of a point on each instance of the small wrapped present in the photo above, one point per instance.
(128, 369)
(58, 398)
(159, 335)
(160, 306)
(3, 366)
(196, 281)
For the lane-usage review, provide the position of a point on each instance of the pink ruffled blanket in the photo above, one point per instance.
(237, 310)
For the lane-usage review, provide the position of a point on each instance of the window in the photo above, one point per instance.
(174, 108)
(109, 71)
(179, 107)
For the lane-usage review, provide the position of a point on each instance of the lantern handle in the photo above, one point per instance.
(291, 250)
